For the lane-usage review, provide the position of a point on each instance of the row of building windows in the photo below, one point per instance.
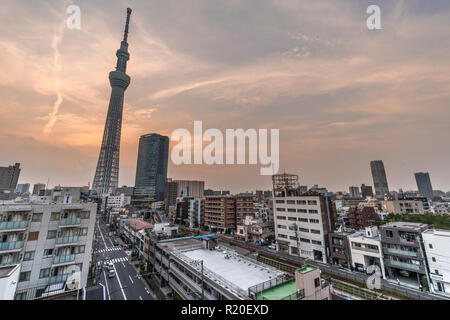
(297, 210)
(300, 202)
(55, 216)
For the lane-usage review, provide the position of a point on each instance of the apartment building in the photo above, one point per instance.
(196, 213)
(361, 217)
(50, 241)
(255, 230)
(244, 208)
(118, 201)
(437, 249)
(404, 255)
(134, 231)
(399, 206)
(220, 213)
(340, 249)
(302, 221)
(366, 250)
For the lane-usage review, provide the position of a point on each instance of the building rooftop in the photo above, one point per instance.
(278, 292)
(136, 224)
(239, 271)
(306, 269)
(438, 232)
(406, 225)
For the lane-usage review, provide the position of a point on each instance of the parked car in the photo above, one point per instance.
(111, 274)
(110, 267)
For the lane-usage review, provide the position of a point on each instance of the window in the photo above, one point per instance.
(28, 256)
(292, 210)
(281, 226)
(24, 276)
(302, 210)
(312, 202)
(291, 202)
(303, 219)
(51, 234)
(33, 236)
(55, 216)
(292, 219)
(83, 231)
(45, 273)
(85, 214)
(21, 296)
(281, 209)
(317, 282)
(48, 253)
(314, 220)
(292, 227)
(303, 229)
(431, 246)
(305, 240)
(389, 234)
(293, 238)
(279, 201)
(313, 211)
(282, 235)
(433, 258)
(315, 231)
(37, 217)
(303, 202)
(281, 218)
(316, 242)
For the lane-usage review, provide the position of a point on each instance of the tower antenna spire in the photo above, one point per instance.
(125, 35)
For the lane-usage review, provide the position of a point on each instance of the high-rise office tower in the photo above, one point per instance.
(424, 184)
(23, 188)
(379, 178)
(9, 176)
(106, 177)
(354, 192)
(37, 188)
(151, 167)
(366, 191)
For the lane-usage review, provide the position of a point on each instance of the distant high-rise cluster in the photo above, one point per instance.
(9, 176)
(424, 184)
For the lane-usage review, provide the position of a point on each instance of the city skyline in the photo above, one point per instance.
(341, 98)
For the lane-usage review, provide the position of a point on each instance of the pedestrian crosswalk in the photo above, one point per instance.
(108, 249)
(115, 260)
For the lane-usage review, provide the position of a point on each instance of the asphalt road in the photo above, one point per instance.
(127, 284)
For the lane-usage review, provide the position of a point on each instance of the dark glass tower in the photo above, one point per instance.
(106, 177)
(379, 178)
(151, 167)
(424, 184)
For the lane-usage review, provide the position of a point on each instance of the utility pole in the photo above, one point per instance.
(203, 286)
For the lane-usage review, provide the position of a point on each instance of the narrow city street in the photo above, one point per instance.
(126, 284)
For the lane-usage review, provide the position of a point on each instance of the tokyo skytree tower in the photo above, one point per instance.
(106, 177)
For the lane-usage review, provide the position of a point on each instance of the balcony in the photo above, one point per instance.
(13, 226)
(70, 222)
(405, 265)
(64, 259)
(401, 252)
(11, 246)
(66, 240)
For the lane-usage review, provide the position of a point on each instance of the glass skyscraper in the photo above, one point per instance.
(379, 178)
(424, 184)
(151, 168)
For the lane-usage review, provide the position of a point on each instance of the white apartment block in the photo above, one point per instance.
(49, 241)
(118, 201)
(196, 212)
(437, 249)
(299, 226)
(366, 250)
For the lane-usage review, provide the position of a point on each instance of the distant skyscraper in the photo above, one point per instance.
(366, 191)
(424, 184)
(354, 192)
(37, 188)
(9, 176)
(379, 178)
(151, 167)
(23, 188)
(106, 177)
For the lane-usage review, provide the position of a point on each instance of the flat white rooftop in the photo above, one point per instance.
(237, 270)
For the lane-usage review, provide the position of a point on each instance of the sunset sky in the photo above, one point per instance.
(340, 94)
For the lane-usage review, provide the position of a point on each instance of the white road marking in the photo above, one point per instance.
(131, 279)
(106, 282)
(120, 284)
(123, 264)
(140, 297)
